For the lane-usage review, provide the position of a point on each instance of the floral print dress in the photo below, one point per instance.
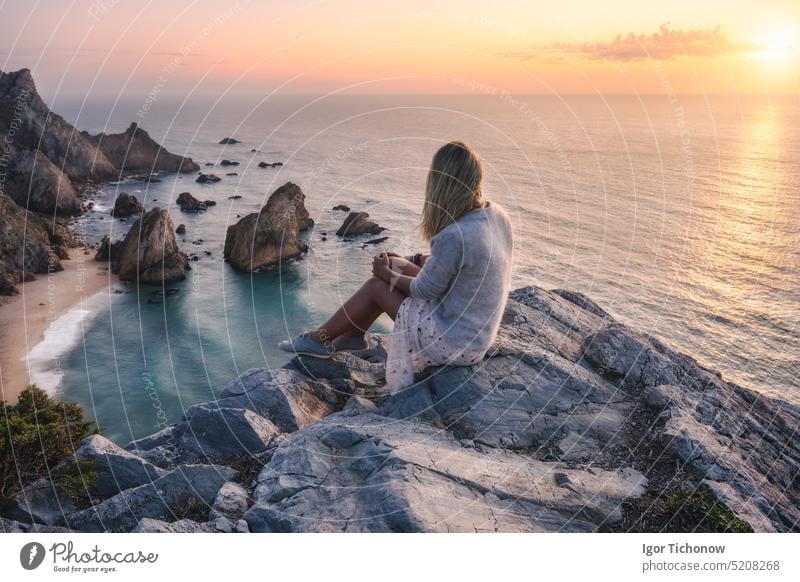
(415, 344)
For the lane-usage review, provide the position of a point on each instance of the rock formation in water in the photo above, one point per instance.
(149, 252)
(126, 205)
(572, 422)
(135, 151)
(46, 164)
(208, 179)
(265, 238)
(189, 203)
(30, 244)
(358, 223)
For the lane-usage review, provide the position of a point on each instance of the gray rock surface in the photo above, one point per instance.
(149, 525)
(369, 473)
(12, 526)
(40, 502)
(189, 488)
(212, 433)
(286, 397)
(115, 469)
(572, 422)
(231, 502)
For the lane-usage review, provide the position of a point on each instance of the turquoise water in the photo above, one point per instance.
(677, 216)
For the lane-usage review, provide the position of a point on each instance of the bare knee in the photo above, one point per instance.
(375, 284)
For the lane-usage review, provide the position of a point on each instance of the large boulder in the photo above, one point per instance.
(266, 238)
(28, 246)
(286, 397)
(135, 151)
(207, 179)
(249, 416)
(358, 223)
(114, 468)
(217, 434)
(189, 488)
(231, 502)
(188, 203)
(126, 205)
(41, 502)
(149, 252)
(37, 184)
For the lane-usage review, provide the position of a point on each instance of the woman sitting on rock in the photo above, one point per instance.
(446, 305)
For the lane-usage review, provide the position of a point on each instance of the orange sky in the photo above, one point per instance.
(615, 46)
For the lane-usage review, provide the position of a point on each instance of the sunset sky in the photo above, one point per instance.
(410, 46)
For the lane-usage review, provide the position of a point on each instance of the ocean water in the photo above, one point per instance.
(679, 215)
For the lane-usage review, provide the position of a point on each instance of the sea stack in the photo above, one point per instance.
(126, 205)
(149, 252)
(359, 223)
(266, 238)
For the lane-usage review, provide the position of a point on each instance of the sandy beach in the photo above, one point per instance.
(25, 317)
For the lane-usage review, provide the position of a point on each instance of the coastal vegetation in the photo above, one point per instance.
(36, 435)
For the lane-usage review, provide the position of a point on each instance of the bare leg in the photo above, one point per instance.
(358, 313)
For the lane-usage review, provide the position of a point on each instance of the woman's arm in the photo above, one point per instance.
(418, 259)
(381, 268)
(441, 267)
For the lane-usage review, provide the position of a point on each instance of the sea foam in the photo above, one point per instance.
(44, 361)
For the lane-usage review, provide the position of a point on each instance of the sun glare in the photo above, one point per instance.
(778, 46)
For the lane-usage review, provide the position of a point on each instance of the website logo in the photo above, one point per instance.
(31, 555)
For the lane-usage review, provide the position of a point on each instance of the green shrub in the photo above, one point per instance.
(698, 510)
(35, 435)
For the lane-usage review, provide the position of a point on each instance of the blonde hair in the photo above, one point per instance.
(453, 187)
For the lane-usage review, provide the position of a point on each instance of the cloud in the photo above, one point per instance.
(665, 44)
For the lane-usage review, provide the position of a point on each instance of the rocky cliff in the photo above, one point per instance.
(135, 151)
(29, 245)
(28, 125)
(572, 422)
(45, 164)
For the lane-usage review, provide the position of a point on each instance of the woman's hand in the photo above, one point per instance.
(380, 267)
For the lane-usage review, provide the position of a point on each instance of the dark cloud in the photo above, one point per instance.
(665, 44)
